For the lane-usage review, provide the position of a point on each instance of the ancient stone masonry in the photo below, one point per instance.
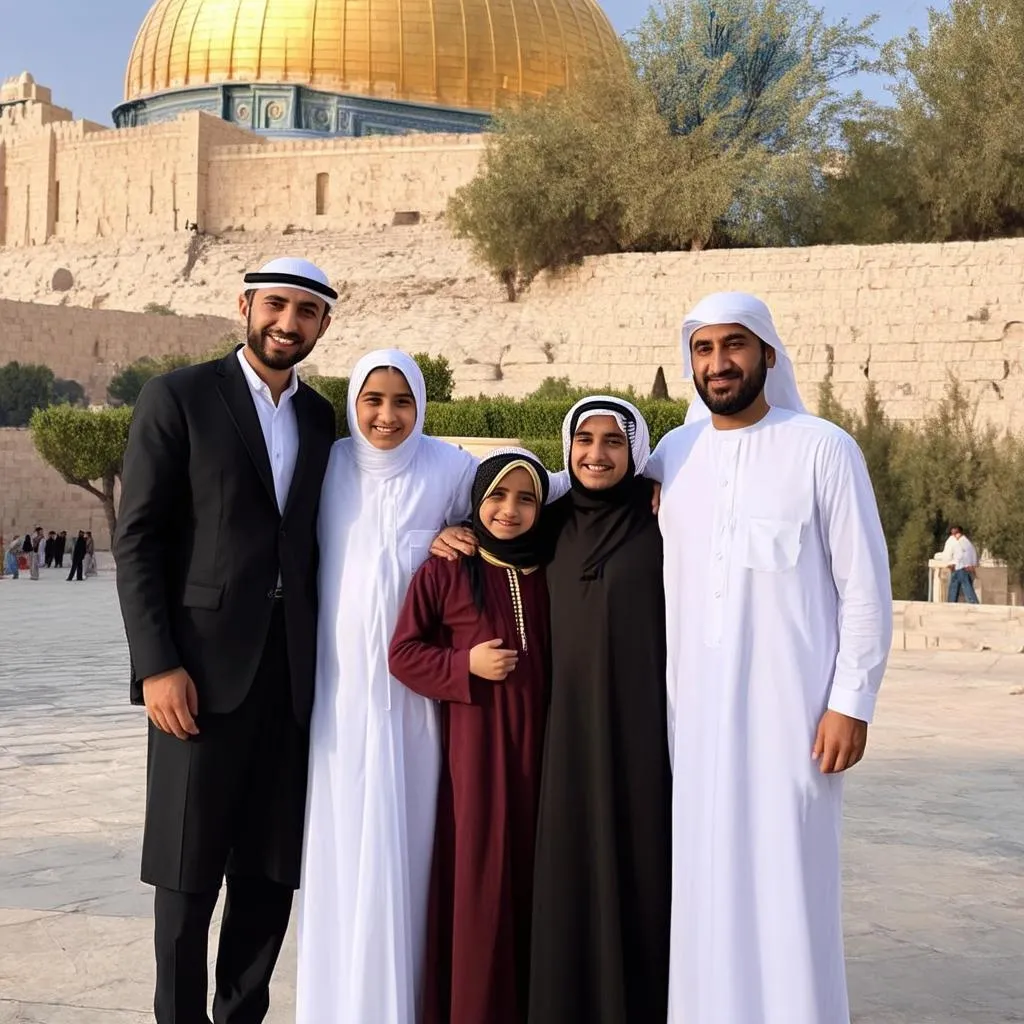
(32, 494)
(90, 346)
(905, 317)
(76, 181)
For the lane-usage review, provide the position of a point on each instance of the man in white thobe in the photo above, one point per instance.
(779, 625)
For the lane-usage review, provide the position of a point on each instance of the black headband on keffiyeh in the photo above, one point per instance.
(524, 551)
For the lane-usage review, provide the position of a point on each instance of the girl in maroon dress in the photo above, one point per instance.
(474, 634)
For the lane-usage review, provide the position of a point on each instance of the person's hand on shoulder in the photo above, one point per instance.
(453, 542)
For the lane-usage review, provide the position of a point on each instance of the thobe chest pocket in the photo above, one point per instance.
(769, 545)
(418, 548)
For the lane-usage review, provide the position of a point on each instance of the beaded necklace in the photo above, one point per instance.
(512, 574)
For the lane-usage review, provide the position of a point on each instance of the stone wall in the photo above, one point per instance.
(32, 494)
(77, 182)
(961, 627)
(90, 346)
(335, 184)
(905, 317)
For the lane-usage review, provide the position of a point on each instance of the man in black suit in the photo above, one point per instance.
(222, 637)
(77, 558)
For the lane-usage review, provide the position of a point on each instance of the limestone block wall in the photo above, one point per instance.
(335, 184)
(905, 317)
(32, 494)
(90, 346)
(960, 627)
(113, 184)
(78, 182)
(27, 196)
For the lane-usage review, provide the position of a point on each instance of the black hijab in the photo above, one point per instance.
(607, 519)
(522, 552)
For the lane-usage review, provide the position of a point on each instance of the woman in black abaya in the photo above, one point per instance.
(602, 883)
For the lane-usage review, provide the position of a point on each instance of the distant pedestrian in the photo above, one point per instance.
(11, 557)
(77, 557)
(36, 553)
(59, 546)
(90, 554)
(50, 549)
(962, 557)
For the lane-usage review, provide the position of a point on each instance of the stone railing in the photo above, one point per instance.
(993, 582)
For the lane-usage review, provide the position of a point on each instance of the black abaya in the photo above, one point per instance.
(602, 883)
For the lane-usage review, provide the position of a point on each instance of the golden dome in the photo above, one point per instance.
(470, 54)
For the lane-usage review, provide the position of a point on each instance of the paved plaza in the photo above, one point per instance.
(934, 840)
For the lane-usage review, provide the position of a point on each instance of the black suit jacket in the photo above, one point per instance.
(199, 538)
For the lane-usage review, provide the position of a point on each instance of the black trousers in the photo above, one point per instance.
(228, 801)
(76, 567)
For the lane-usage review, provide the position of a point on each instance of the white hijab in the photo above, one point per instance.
(752, 313)
(628, 417)
(373, 461)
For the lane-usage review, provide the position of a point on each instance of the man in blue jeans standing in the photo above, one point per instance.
(962, 558)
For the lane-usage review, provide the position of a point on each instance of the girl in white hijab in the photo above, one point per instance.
(375, 746)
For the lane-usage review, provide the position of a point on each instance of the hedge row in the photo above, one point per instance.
(533, 420)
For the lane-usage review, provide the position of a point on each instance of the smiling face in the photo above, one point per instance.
(730, 367)
(512, 507)
(386, 408)
(283, 325)
(600, 453)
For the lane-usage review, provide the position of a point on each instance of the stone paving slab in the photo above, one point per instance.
(934, 830)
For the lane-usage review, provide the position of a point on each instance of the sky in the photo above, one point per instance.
(79, 47)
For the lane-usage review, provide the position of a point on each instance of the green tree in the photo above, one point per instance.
(762, 80)
(879, 439)
(86, 447)
(438, 376)
(69, 392)
(941, 468)
(125, 386)
(715, 133)
(752, 64)
(947, 161)
(335, 390)
(23, 388)
(999, 509)
(593, 170)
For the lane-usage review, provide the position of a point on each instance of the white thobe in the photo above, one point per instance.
(778, 605)
(375, 746)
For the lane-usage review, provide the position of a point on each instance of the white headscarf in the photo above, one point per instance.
(628, 417)
(748, 311)
(373, 461)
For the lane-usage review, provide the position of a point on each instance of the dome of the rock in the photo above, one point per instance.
(406, 57)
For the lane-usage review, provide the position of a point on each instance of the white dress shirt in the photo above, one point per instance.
(960, 553)
(279, 425)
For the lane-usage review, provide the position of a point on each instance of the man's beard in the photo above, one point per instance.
(733, 405)
(257, 341)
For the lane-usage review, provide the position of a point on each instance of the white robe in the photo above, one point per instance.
(778, 605)
(375, 746)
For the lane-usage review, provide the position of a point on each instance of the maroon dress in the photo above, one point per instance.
(478, 949)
